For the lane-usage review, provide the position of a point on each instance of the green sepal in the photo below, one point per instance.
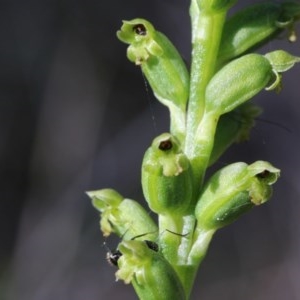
(151, 275)
(234, 127)
(124, 217)
(166, 176)
(232, 191)
(281, 60)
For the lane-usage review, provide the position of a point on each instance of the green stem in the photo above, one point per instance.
(176, 233)
(199, 151)
(170, 228)
(176, 238)
(206, 35)
(178, 122)
(186, 272)
(200, 246)
(201, 242)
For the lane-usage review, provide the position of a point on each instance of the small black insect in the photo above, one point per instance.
(113, 256)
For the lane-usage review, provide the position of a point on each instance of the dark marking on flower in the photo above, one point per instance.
(140, 29)
(165, 145)
(152, 245)
(263, 174)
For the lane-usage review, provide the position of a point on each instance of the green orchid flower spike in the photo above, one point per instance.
(210, 110)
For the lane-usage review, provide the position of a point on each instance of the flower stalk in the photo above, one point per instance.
(209, 111)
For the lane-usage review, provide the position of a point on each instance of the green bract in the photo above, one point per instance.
(282, 61)
(166, 176)
(232, 191)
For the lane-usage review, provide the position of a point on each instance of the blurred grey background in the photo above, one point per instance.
(75, 115)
